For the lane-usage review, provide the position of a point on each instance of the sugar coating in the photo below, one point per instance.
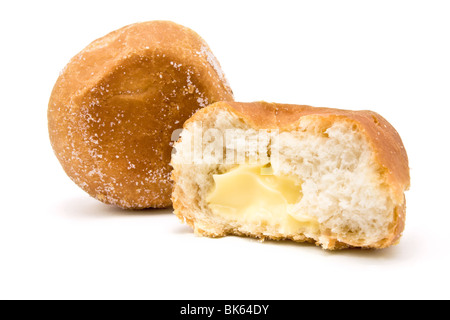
(116, 104)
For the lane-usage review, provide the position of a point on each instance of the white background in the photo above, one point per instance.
(392, 57)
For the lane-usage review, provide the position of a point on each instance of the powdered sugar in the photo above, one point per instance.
(101, 142)
(206, 52)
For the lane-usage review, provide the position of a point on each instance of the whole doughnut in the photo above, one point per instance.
(116, 105)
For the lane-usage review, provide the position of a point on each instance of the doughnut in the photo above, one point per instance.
(116, 107)
(332, 177)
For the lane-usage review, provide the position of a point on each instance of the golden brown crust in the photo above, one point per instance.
(115, 106)
(385, 142)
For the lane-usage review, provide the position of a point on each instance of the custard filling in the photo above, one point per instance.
(254, 195)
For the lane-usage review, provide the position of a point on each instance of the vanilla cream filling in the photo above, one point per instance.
(254, 195)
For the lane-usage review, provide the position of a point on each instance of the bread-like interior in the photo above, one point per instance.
(318, 177)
